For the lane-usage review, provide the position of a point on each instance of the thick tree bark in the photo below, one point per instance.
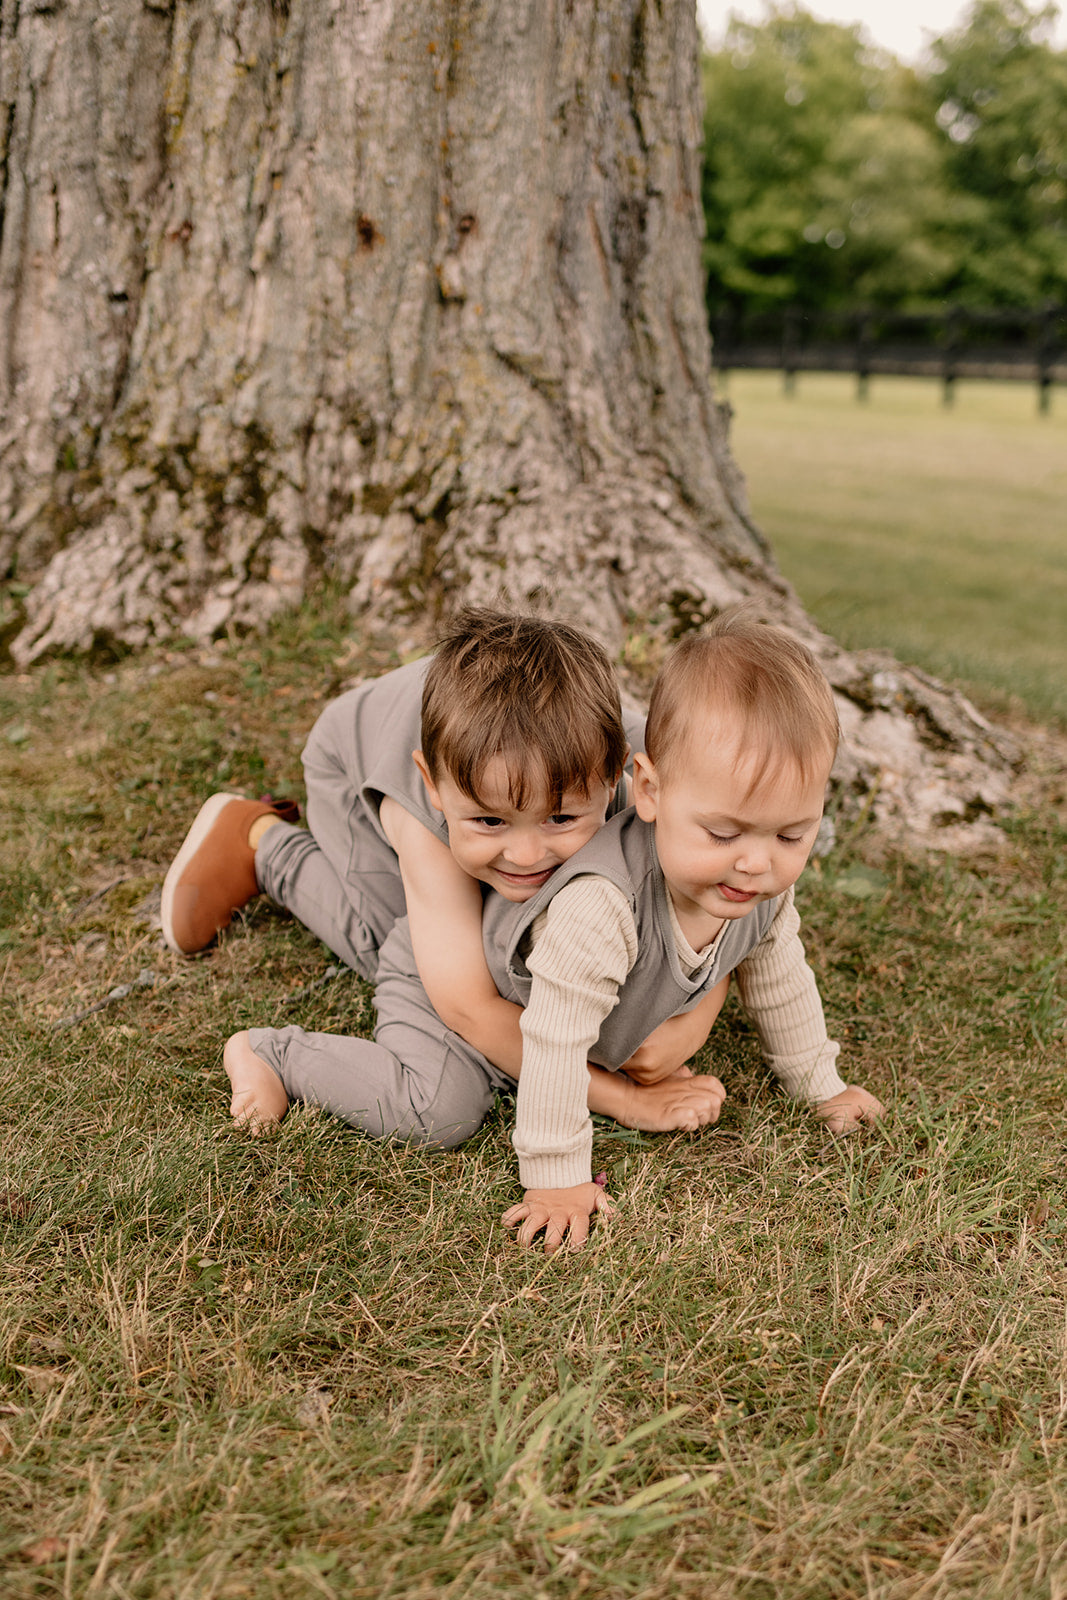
(406, 292)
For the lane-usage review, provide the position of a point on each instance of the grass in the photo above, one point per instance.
(312, 1365)
(938, 534)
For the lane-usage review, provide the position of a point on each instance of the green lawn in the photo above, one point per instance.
(314, 1366)
(939, 534)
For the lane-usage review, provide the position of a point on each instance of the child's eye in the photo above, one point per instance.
(489, 822)
(722, 838)
(560, 821)
(785, 839)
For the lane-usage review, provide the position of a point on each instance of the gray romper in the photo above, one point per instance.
(340, 876)
(422, 1082)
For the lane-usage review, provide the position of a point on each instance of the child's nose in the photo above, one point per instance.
(754, 860)
(525, 849)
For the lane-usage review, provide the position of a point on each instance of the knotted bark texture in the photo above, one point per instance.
(403, 292)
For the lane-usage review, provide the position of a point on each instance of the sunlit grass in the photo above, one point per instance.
(938, 534)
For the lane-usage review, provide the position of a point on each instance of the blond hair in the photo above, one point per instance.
(539, 694)
(765, 682)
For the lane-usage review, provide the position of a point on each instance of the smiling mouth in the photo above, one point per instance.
(526, 879)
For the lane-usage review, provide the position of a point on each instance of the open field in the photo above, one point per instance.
(313, 1366)
(940, 535)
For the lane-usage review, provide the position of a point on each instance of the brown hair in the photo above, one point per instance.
(761, 677)
(540, 694)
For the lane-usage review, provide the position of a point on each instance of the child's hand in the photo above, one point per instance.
(845, 1112)
(562, 1213)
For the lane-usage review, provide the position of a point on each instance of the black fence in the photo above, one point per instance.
(954, 343)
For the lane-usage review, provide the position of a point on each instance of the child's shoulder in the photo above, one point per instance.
(397, 690)
(398, 683)
(618, 852)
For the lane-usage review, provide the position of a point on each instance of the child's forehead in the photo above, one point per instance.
(748, 761)
(506, 785)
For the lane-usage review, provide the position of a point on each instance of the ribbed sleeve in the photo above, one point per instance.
(584, 946)
(779, 992)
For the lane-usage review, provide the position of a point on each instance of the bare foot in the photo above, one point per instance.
(259, 1100)
(681, 1102)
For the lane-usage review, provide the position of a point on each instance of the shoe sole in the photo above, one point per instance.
(202, 826)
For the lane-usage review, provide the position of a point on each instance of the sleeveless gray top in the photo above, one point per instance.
(624, 851)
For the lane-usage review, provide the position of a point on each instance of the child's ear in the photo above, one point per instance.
(431, 787)
(646, 787)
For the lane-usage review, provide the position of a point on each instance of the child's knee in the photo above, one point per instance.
(459, 1107)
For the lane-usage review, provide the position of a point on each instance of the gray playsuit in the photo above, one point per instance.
(340, 878)
(423, 1083)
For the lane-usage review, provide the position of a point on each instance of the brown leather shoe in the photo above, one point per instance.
(214, 873)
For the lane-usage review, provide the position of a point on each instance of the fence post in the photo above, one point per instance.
(790, 343)
(863, 355)
(952, 318)
(1045, 354)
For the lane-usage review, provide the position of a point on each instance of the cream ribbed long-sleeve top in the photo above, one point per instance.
(583, 946)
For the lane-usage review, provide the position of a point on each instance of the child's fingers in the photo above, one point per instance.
(556, 1229)
(560, 1225)
(530, 1219)
(578, 1221)
(698, 1102)
(714, 1096)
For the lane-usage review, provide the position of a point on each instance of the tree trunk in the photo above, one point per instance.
(404, 292)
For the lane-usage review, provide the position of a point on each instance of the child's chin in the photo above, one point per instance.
(734, 909)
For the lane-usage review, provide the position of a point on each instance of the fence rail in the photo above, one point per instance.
(957, 342)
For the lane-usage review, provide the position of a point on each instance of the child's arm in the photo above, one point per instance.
(445, 918)
(579, 960)
(673, 1043)
(779, 992)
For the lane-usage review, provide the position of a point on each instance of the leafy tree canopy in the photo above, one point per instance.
(835, 174)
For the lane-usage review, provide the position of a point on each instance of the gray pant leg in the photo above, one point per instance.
(352, 915)
(416, 1080)
(341, 879)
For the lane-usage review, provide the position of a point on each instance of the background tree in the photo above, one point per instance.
(835, 176)
(823, 182)
(998, 92)
(405, 292)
